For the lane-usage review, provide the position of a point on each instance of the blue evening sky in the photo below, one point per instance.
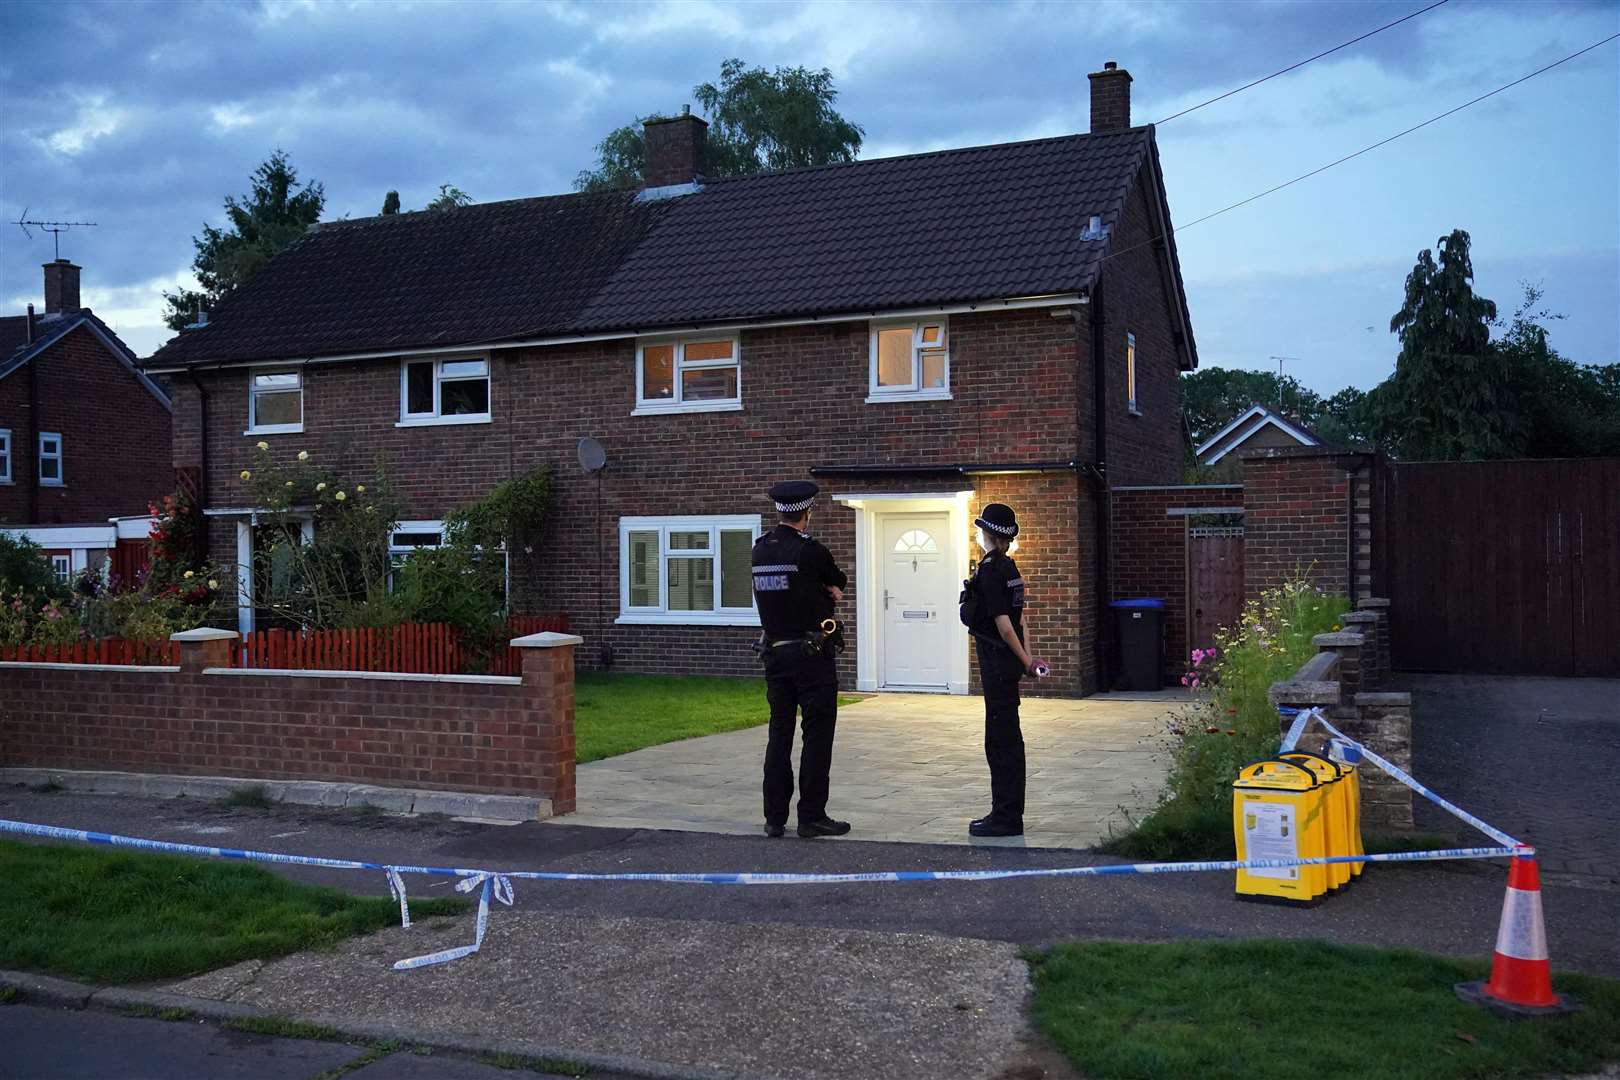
(143, 116)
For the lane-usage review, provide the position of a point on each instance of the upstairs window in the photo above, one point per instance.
(50, 459)
(687, 570)
(276, 403)
(691, 375)
(910, 361)
(5, 456)
(452, 391)
(1130, 372)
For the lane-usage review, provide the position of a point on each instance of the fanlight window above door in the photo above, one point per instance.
(914, 541)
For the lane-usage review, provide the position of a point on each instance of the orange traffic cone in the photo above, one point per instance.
(1521, 974)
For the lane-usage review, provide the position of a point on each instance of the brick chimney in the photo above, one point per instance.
(674, 149)
(1110, 98)
(61, 288)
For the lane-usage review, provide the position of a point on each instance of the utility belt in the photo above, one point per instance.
(829, 636)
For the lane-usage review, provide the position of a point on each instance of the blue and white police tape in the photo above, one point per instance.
(1303, 718)
(499, 882)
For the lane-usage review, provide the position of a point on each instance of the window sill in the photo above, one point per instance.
(276, 429)
(694, 407)
(445, 421)
(909, 395)
(686, 618)
(53, 483)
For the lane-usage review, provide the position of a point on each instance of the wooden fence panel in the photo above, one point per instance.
(1505, 567)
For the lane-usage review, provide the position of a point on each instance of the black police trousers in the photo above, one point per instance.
(795, 681)
(1003, 738)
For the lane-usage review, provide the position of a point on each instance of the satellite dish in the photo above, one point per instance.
(592, 458)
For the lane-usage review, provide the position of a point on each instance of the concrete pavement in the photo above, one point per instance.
(909, 768)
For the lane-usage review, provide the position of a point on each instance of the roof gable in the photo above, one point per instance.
(1246, 425)
(48, 331)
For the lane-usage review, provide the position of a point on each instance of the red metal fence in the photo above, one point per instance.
(425, 648)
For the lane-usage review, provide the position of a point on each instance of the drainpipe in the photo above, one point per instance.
(202, 482)
(33, 432)
(1099, 352)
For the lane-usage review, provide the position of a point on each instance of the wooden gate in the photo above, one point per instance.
(1214, 581)
(1503, 567)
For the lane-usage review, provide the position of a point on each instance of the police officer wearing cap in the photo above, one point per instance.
(993, 609)
(796, 586)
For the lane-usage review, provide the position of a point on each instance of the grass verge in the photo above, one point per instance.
(118, 916)
(1269, 1010)
(615, 714)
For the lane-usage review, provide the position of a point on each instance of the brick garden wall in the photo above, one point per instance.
(1296, 518)
(1148, 552)
(468, 733)
(115, 437)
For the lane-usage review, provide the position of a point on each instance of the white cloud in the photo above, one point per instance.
(232, 115)
(94, 120)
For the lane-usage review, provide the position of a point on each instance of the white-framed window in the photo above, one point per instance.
(911, 361)
(412, 536)
(701, 374)
(687, 570)
(5, 455)
(50, 459)
(275, 402)
(62, 566)
(1130, 372)
(448, 390)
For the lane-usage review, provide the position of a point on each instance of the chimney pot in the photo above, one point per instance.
(61, 288)
(30, 324)
(674, 150)
(1110, 98)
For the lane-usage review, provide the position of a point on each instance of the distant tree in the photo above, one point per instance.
(1211, 398)
(1450, 397)
(1344, 418)
(448, 198)
(1564, 409)
(391, 203)
(758, 120)
(262, 222)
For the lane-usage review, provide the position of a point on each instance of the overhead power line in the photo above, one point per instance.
(1302, 63)
(1369, 149)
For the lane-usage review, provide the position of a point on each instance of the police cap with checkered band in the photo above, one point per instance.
(793, 496)
(998, 518)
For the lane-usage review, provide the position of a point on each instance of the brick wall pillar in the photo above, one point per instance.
(204, 647)
(548, 678)
(1379, 606)
(1385, 727)
(1365, 623)
(1349, 646)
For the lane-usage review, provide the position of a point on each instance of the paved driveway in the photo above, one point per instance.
(906, 767)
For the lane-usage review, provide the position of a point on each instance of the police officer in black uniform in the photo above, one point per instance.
(993, 609)
(796, 586)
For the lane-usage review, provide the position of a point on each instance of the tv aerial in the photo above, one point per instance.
(55, 228)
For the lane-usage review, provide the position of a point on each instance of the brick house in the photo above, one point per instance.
(1255, 428)
(921, 335)
(85, 434)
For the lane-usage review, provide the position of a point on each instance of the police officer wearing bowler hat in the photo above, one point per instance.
(796, 586)
(993, 609)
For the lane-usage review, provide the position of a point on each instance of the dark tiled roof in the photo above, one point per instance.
(983, 223)
(478, 273)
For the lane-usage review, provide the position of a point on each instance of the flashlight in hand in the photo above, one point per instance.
(1040, 668)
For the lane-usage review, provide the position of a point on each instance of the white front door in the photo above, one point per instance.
(918, 600)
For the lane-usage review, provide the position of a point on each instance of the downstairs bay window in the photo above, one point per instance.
(687, 570)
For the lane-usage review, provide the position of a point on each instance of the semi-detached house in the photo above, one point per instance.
(920, 335)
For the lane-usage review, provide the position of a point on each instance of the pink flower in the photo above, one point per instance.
(1194, 683)
(1184, 681)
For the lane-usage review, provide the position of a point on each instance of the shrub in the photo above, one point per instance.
(24, 568)
(1233, 721)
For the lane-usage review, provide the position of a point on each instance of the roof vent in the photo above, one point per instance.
(202, 320)
(1094, 230)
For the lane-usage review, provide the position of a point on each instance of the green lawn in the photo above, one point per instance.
(122, 916)
(615, 714)
(1274, 1009)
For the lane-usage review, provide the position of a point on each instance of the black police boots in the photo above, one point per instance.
(824, 827)
(994, 826)
(774, 831)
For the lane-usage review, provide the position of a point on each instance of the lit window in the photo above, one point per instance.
(276, 402)
(910, 360)
(687, 569)
(444, 391)
(50, 459)
(691, 375)
(5, 456)
(1130, 371)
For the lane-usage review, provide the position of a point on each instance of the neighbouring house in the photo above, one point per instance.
(85, 434)
(1256, 428)
(921, 335)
